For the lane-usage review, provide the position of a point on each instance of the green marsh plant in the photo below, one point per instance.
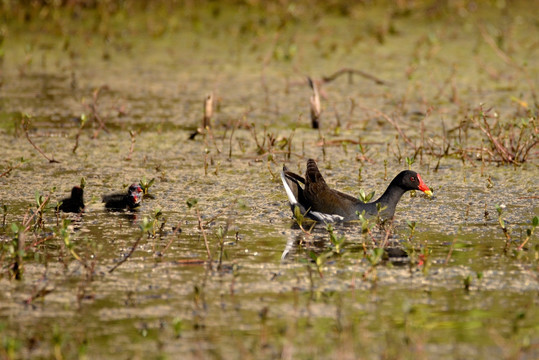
(337, 242)
(374, 257)
(4, 214)
(15, 251)
(506, 232)
(319, 261)
(41, 207)
(300, 220)
(365, 197)
(193, 203)
(63, 232)
(529, 232)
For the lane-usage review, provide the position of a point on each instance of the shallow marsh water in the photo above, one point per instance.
(469, 299)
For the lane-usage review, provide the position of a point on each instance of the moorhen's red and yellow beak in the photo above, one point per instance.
(423, 187)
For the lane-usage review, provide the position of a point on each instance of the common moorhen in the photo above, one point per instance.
(75, 203)
(318, 202)
(121, 201)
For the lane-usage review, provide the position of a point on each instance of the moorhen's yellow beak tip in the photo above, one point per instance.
(428, 193)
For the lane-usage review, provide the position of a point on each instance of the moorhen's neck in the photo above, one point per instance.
(390, 198)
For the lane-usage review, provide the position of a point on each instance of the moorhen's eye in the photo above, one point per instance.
(412, 179)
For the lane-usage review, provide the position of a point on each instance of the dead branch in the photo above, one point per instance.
(128, 255)
(316, 108)
(95, 113)
(25, 128)
(11, 168)
(133, 135)
(350, 72)
(201, 227)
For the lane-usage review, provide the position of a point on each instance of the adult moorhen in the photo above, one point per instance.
(122, 201)
(318, 202)
(75, 203)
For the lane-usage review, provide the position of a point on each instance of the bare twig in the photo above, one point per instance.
(128, 255)
(201, 227)
(42, 292)
(133, 135)
(95, 113)
(11, 168)
(26, 221)
(351, 72)
(502, 151)
(450, 251)
(83, 119)
(177, 230)
(492, 43)
(25, 128)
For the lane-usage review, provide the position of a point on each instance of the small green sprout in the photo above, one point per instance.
(365, 198)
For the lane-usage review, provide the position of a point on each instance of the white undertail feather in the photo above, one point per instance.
(289, 193)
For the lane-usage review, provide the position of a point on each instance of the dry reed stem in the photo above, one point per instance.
(201, 228)
(316, 108)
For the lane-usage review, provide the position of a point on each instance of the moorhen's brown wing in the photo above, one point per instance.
(325, 200)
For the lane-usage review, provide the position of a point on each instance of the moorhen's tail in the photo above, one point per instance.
(313, 175)
(294, 191)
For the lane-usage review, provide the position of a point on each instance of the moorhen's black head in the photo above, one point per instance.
(410, 180)
(134, 194)
(77, 193)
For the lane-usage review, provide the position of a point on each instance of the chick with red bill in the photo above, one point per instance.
(130, 200)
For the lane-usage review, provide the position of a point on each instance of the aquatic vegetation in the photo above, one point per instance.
(366, 197)
(509, 143)
(145, 185)
(337, 242)
(15, 250)
(501, 222)
(529, 232)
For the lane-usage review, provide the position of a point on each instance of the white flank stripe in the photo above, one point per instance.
(326, 218)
